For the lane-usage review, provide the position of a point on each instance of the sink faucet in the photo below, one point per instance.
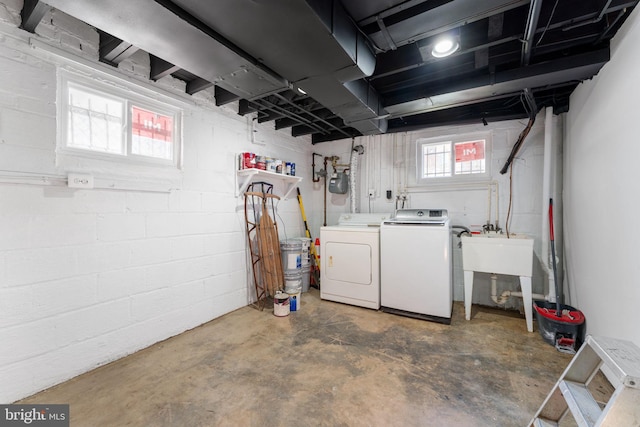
(490, 227)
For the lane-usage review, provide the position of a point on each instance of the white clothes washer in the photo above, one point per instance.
(416, 266)
(350, 260)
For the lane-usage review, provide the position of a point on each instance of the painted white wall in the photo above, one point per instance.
(89, 276)
(388, 163)
(601, 192)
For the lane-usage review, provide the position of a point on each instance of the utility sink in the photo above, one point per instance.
(495, 253)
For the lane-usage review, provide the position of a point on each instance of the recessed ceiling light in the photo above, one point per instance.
(301, 91)
(445, 47)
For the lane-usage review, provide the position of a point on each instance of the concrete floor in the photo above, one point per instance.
(327, 365)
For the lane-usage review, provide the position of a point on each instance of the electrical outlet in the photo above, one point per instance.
(372, 193)
(80, 180)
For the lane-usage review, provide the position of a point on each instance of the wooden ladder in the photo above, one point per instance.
(620, 360)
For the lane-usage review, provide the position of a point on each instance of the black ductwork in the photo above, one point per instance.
(178, 38)
(314, 45)
(344, 91)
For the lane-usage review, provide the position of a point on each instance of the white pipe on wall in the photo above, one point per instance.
(546, 191)
(489, 199)
(353, 174)
(497, 218)
(494, 291)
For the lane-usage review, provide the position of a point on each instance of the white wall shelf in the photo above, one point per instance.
(245, 177)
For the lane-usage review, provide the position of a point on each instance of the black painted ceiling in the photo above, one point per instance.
(364, 65)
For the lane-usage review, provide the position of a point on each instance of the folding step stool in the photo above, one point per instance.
(622, 359)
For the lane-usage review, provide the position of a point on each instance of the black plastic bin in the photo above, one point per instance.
(566, 332)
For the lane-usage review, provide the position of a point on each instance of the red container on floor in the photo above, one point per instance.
(565, 332)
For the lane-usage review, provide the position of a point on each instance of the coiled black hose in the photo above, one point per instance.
(463, 228)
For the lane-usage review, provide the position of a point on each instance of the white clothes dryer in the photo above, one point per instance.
(350, 260)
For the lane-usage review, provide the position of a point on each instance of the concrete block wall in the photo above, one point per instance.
(388, 163)
(89, 276)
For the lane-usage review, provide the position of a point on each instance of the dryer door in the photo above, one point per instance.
(349, 262)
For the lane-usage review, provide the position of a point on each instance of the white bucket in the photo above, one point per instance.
(281, 305)
(305, 250)
(295, 300)
(292, 280)
(306, 278)
(291, 254)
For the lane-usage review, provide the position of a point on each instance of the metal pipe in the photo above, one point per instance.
(325, 192)
(336, 165)
(316, 117)
(352, 177)
(530, 31)
(590, 21)
(278, 109)
(610, 26)
(313, 167)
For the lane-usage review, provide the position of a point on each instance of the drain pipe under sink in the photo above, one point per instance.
(504, 296)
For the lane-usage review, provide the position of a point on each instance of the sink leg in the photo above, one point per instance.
(468, 293)
(525, 285)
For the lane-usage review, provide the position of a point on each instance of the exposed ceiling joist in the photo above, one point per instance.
(113, 50)
(485, 87)
(197, 84)
(32, 13)
(161, 68)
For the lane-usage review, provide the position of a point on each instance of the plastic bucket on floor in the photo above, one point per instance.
(306, 277)
(281, 306)
(566, 332)
(305, 251)
(295, 300)
(292, 280)
(291, 251)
